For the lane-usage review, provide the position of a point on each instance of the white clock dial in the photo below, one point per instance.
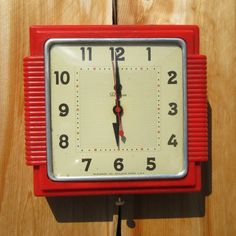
(116, 109)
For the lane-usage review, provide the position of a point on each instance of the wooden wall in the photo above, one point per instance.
(211, 212)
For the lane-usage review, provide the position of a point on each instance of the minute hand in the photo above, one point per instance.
(118, 86)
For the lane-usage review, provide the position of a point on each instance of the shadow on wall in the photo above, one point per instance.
(102, 208)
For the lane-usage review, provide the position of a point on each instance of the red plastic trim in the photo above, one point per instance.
(197, 108)
(35, 119)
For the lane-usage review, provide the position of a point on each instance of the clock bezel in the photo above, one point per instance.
(180, 42)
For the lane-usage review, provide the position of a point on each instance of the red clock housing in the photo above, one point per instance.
(35, 111)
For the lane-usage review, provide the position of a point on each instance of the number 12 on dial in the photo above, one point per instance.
(116, 108)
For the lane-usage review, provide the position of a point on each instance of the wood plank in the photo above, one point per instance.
(178, 214)
(191, 214)
(20, 212)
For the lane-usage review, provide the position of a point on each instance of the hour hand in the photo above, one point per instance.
(118, 127)
(116, 131)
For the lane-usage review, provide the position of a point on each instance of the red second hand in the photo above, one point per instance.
(118, 110)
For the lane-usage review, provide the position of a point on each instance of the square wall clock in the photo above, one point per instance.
(115, 109)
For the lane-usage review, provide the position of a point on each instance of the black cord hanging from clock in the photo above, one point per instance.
(118, 227)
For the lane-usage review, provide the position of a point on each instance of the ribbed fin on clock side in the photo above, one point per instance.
(35, 113)
(197, 108)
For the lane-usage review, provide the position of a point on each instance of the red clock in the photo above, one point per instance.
(115, 109)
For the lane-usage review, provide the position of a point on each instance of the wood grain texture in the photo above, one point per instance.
(160, 215)
(179, 214)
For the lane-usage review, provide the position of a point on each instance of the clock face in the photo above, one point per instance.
(116, 108)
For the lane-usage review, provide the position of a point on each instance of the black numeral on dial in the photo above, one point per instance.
(86, 53)
(172, 77)
(149, 53)
(62, 78)
(88, 162)
(63, 141)
(118, 164)
(151, 165)
(117, 54)
(173, 140)
(173, 109)
(64, 109)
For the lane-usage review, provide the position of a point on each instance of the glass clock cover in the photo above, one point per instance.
(116, 108)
